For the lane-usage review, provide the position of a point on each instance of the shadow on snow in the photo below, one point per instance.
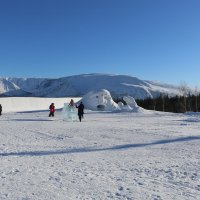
(91, 149)
(36, 111)
(31, 120)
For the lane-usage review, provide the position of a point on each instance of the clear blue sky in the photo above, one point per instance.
(149, 39)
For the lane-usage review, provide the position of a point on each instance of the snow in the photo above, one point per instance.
(102, 100)
(69, 113)
(131, 103)
(124, 155)
(6, 86)
(17, 104)
(79, 85)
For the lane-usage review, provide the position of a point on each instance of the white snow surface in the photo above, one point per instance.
(109, 155)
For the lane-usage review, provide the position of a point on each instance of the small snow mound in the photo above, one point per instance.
(124, 107)
(132, 104)
(130, 101)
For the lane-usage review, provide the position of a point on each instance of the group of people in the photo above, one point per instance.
(71, 106)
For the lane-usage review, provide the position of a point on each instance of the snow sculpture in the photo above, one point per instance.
(69, 113)
(132, 104)
(124, 107)
(100, 100)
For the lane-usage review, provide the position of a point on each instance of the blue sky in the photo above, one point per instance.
(149, 39)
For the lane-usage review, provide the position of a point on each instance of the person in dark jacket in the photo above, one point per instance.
(80, 111)
(0, 109)
(52, 110)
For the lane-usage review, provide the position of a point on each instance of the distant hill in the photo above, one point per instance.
(79, 85)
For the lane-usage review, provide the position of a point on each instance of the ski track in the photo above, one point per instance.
(126, 156)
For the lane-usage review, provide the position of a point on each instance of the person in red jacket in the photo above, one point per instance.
(52, 110)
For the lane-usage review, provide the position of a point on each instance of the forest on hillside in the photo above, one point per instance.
(176, 104)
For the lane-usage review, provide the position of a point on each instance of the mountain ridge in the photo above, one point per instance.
(79, 85)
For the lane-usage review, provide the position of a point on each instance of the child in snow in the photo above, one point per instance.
(52, 110)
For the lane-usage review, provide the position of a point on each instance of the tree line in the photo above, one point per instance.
(176, 104)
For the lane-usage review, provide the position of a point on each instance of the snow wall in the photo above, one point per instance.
(17, 104)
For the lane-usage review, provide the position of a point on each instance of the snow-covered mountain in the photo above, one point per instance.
(79, 85)
(7, 86)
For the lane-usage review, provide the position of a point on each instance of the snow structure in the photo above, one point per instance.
(69, 113)
(101, 100)
(131, 105)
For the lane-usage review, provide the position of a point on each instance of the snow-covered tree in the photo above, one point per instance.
(185, 92)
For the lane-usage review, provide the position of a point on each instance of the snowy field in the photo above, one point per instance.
(127, 156)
